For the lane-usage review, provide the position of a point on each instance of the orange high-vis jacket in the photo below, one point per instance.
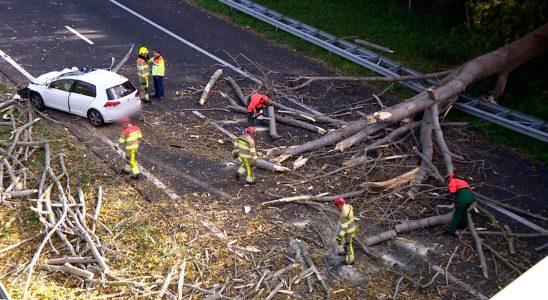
(255, 102)
(456, 184)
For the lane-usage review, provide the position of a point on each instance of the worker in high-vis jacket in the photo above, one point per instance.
(158, 73)
(244, 149)
(130, 140)
(462, 200)
(348, 229)
(256, 107)
(143, 72)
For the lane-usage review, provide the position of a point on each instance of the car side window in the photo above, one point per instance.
(63, 85)
(84, 88)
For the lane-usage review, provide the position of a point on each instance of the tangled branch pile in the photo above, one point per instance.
(60, 213)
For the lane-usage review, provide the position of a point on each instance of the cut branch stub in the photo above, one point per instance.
(210, 85)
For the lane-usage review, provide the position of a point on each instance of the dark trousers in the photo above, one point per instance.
(463, 200)
(158, 86)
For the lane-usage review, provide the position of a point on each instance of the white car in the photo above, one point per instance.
(101, 96)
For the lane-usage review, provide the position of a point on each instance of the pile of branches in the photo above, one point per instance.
(62, 212)
(385, 135)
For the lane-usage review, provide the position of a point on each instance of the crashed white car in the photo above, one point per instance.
(101, 96)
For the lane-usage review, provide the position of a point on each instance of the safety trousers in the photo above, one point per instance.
(143, 81)
(347, 248)
(459, 219)
(131, 164)
(244, 168)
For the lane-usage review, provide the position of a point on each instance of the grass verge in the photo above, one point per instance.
(421, 42)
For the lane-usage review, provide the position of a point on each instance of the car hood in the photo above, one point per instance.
(48, 77)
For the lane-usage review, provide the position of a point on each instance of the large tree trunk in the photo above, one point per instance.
(498, 62)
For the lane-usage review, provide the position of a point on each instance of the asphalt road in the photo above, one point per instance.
(194, 43)
(35, 35)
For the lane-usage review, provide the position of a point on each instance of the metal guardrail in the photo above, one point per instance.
(478, 107)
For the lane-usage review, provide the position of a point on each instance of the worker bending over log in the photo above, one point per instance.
(257, 107)
(462, 200)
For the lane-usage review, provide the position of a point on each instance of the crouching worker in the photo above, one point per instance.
(130, 139)
(244, 150)
(257, 107)
(348, 229)
(462, 200)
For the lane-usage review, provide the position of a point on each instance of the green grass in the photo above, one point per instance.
(422, 42)
(4, 89)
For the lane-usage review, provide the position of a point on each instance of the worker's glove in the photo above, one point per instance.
(255, 116)
(339, 238)
(235, 154)
(116, 147)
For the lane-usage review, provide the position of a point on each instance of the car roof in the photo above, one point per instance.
(98, 77)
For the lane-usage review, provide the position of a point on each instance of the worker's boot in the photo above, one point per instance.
(341, 250)
(349, 253)
(349, 259)
(250, 180)
(136, 176)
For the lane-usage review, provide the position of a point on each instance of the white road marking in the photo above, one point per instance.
(175, 36)
(16, 65)
(79, 34)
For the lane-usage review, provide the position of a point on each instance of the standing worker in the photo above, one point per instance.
(143, 72)
(462, 201)
(348, 229)
(256, 106)
(158, 72)
(244, 149)
(130, 139)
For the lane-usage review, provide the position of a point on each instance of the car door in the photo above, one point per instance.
(57, 94)
(80, 98)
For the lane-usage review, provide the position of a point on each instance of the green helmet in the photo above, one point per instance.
(143, 51)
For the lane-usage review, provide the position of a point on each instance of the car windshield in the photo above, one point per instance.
(120, 91)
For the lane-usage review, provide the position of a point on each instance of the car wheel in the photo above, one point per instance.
(95, 118)
(37, 101)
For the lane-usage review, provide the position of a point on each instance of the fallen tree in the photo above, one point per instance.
(498, 62)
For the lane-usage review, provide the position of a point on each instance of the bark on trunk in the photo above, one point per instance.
(492, 63)
(210, 85)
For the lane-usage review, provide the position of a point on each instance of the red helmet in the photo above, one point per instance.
(250, 129)
(339, 201)
(265, 99)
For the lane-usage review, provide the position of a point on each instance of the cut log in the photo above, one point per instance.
(427, 151)
(71, 260)
(441, 141)
(68, 268)
(238, 90)
(265, 164)
(409, 226)
(510, 239)
(210, 85)
(287, 121)
(272, 124)
(381, 237)
(394, 182)
(423, 223)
